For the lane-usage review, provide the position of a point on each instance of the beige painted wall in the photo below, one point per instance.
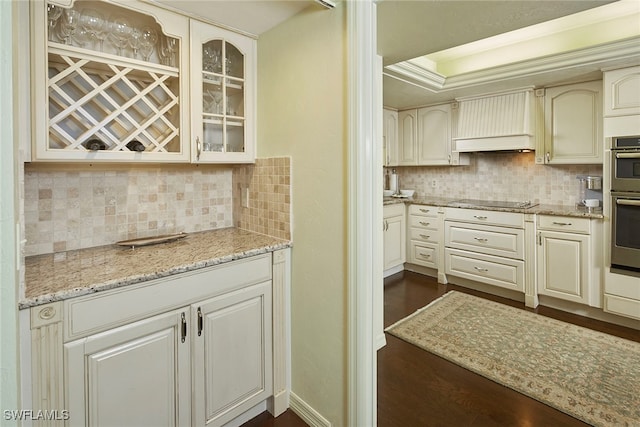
(302, 114)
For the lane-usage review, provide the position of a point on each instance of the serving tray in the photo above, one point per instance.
(146, 241)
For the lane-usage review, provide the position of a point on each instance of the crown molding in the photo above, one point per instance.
(597, 57)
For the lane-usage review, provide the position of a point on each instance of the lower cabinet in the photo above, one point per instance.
(424, 236)
(195, 349)
(134, 375)
(394, 229)
(569, 259)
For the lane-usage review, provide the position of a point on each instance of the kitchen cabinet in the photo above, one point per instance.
(486, 247)
(622, 101)
(424, 137)
(572, 124)
(394, 238)
(138, 374)
(390, 137)
(569, 259)
(223, 77)
(424, 236)
(212, 343)
(98, 99)
(133, 82)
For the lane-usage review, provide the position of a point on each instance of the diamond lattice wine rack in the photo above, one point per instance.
(113, 86)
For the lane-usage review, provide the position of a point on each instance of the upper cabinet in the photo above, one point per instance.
(223, 95)
(390, 137)
(424, 137)
(127, 82)
(622, 101)
(572, 124)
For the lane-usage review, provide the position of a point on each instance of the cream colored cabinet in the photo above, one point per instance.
(394, 229)
(486, 247)
(232, 354)
(110, 82)
(569, 263)
(407, 137)
(424, 236)
(134, 375)
(223, 80)
(424, 137)
(622, 92)
(573, 124)
(390, 137)
(198, 348)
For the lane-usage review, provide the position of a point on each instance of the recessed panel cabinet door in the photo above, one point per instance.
(434, 135)
(407, 128)
(135, 375)
(232, 354)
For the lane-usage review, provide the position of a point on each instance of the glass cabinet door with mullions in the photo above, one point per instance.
(223, 101)
(112, 79)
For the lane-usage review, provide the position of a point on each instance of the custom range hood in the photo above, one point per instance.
(496, 122)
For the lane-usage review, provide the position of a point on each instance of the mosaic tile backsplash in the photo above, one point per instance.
(80, 207)
(269, 204)
(499, 176)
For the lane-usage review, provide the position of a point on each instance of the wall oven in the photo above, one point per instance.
(625, 203)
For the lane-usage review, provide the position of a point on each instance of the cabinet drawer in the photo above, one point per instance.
(425, 223)
(499, 241)
(423, 210)
(503, 272)
(564, 223)
(105, 310)
(624, 306)
(393, 210)
(424, 254)
(479, 216)
(423, 235)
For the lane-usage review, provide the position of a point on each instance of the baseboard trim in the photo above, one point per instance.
(306, 412)
(381, 341)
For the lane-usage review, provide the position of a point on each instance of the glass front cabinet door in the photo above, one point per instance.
(223, 76)
(109, 83)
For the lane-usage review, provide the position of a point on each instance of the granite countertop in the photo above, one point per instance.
(559, 210)
(64, 275)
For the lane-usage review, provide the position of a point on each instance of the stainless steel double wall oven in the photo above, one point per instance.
(625, 203)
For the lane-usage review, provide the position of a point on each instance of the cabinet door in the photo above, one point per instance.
(232, 354)
(622, 92)
(390, 135)
(434, 135)
(102, 95)
(573, 124)
(563, 266)
(394, 236)
(134, 375)
(407, 121)
(223, 75)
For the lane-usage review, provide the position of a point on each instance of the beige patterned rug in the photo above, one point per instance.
(589, 375)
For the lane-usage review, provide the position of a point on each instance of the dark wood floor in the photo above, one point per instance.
(417, 388)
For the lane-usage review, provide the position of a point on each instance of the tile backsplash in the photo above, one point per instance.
(268, 210)
(499, 176)
(81, 206)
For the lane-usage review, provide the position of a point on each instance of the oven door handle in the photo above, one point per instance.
(627, 202)
(633, 155)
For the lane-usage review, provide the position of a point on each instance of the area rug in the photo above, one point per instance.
(589, 375)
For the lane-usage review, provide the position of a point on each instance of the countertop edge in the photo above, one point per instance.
(554, 210)
(140, 278)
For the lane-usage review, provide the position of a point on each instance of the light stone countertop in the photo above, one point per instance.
(64, 275)
(558, 210)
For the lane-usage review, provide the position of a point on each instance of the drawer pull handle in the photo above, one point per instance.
(425, 210)
(480, 239)
(424, 255)
(183, 322)
(561, 223)
(424, 223)
(481, 269)
(425, 236)
(479, 217)
(200, 322)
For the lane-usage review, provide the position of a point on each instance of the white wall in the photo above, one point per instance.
(302, 113)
